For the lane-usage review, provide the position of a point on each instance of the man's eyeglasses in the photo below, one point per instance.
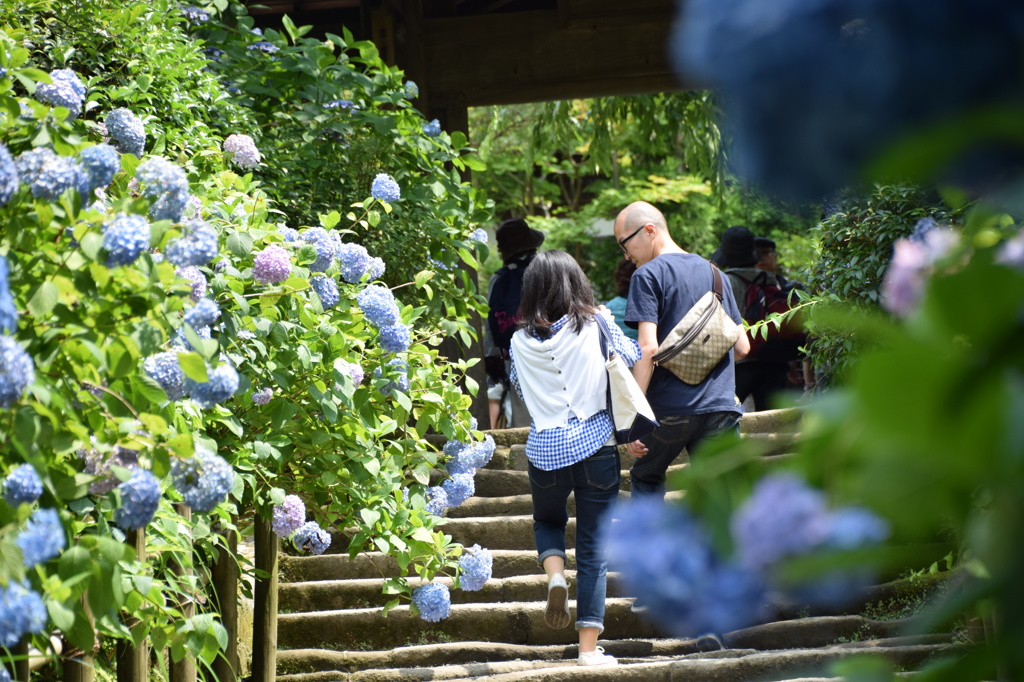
(622, 242)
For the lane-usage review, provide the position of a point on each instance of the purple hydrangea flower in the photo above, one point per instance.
(667, 561)
(100, 163)
(202, 314)
(204, 480)
(16, 371)
(168, 184)
(49, 175)
(140, 497)
(437, 500)
(221, 384)
(22, 612)
(125, 238)
(22, 485)
(911, 265)
(289, 516)
(459, 488)
(400, 370)
(478, 235)
(196, 246)
(432, 129)
(262, 396)
(42, 538)
(271, 265)
(195, 278)
(476, 564)
(395, 338)
(412, 91)
(352, 369)
(9, 180)
(97, 465)
(67, 91)
(243, 151)
(8, 311)
(355, 262)
(326, 289)
(1011, 252)
(433, 600)
(378, 305)
(163, 368)
(385, 188)
(311, 538)
(126, 131)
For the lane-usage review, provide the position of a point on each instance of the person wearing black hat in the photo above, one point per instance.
(738, 256)
(517, 245)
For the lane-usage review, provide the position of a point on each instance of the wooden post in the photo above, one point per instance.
(20, 653)
(133, 661)
(225, 587)
(185, 669)
(264, 636)
(80, 668)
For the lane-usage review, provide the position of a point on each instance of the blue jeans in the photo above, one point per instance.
(647, 474)
(595, 482)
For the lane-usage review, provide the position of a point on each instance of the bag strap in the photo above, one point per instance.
(606, 338)
(718, 281)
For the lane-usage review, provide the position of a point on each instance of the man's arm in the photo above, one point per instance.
(742, 346)
(647, 337)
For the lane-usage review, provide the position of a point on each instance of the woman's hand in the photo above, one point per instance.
(602, 309)
(636, 448)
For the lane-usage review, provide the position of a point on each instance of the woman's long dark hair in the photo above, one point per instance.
(554, 285)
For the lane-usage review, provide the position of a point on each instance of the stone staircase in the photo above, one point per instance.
(331, 626)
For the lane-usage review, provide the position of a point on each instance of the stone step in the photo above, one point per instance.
(522, 504)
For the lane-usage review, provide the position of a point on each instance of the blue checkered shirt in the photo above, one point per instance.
(563, 446)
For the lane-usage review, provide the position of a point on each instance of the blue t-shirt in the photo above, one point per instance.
(662, 291)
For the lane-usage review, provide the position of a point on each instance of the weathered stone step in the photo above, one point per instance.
(522, 504)
(506, 563)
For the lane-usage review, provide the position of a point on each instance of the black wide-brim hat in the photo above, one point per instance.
(736, 249)
(515, 236)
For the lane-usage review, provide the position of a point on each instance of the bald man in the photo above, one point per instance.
(667, 283)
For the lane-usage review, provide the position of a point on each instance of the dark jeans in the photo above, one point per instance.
(762, 380)
(668, 440)
(595, 482)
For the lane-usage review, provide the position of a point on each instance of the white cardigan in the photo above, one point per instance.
(561, 376)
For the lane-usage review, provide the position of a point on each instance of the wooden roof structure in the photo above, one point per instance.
(464, 53)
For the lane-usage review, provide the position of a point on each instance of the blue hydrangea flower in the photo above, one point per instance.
(340, 104)
(311, 538)
(289, 516)
(164, 369)
(9, 180)
(168, 184)
(42, 538)
(1011, 252)
(437, 500)
(400, 373)
(140, 497)
(181, 339)
(290, 234)
(125, 238)
(782, 517)
(666, 560)
(465, 458)
(376, 269)
(202, 314)
(476, 564)
(243, 151)
(327, 289)
(16, 371)
(432, 129)
(378, 305)
(325, 245)
(196, 279)
(271, 265)
(245, 334)
(354, 261)
(22, 485)
(221, 384)
(49, 175)
(853, 527)
(412, 91)
(433, 601)
(67, 91)
(100, 163)
(8, 311)
(385, 188)
(352, 369)
(262, 396)
(204, 480)
(459, 488)
(478, 235)
(97, 465)
(395, 338)
(126, 131)
(264, 46)
(22, 612)
(195, 15)
(196, 246)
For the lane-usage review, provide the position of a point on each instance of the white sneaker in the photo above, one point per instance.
(598, 657)
(557, 613)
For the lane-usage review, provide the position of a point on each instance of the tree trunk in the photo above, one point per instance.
(133, 661)
(225, 587)
(185, 669)
(264, 636)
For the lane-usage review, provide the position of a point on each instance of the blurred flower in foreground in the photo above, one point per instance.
(912, 263)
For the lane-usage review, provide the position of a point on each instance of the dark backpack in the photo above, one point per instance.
(760, 300)
(506, 294)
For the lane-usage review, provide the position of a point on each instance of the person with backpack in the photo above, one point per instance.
(763, 374)
(517, 246)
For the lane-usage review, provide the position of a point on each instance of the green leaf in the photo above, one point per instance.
(330, 220)
(194, 367)
(239, 244)
(369, 516)
(43, 300)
